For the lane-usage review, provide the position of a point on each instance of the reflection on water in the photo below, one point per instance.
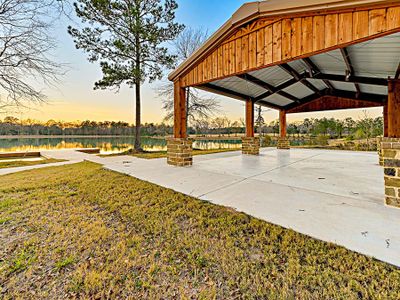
(106, 144)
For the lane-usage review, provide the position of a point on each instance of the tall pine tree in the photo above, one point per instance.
(128, 38)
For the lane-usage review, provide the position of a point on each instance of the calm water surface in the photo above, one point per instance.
(106, 144)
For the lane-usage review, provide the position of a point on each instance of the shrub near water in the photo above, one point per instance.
(81, 231)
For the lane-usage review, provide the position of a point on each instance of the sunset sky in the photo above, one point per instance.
(75, 99)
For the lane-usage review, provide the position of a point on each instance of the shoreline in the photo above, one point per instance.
(8, 137)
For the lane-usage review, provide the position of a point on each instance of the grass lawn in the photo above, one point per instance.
(161, 154)
(25, 163)
(81, 231)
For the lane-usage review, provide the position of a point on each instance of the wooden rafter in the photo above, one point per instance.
(278, 88)
(307, 99)
(270, 88)
(350, 68)
(224, 91)
(314, 70)
(376, 98)
(352, 79)
(397, 76)
(292, 72)
(229, 93)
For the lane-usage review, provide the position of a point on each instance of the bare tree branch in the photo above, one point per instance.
(198, 106)
(25, 47)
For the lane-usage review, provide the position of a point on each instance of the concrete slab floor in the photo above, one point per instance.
(335, 196)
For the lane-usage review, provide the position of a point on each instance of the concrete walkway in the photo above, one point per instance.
(335, 196)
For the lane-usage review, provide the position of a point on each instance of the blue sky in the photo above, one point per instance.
(75, 99)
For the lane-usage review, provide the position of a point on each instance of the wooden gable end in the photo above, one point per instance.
(264, 42)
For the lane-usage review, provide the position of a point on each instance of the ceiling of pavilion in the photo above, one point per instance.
(359, 72)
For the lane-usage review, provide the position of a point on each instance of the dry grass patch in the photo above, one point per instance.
(81, 231)
(25, 163)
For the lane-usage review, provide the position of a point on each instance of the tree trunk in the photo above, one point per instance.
(138, 144)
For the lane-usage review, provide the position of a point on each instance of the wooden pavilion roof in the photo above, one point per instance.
(301, 55)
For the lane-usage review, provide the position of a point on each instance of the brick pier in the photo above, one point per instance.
(391, 163)
(251, 145)
(180, 152)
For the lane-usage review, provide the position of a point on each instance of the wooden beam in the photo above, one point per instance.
(352, 79)
(393, 109)
(349, 66)
(376, 98)
(328, 102)
(278, 88)
(282, 124)
(289, 96)
(397, 76)
(268, 104)
(180, 124)
(314, 70)
(379, 100)
(306, 100)
(249, 118)
(222, 91)
(232, 94)
(288, 69)
(270, 88)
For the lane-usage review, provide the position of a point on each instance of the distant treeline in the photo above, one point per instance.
(14, 126)
(365, 127)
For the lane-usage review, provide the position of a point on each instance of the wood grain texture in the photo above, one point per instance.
(253, 50)
(345, 27)
(260, 47)
(268, 45)
(332, 103)
(249, 118)
(296, 37)
(318, 33)
(377, 21)
(331, 30)
(385, 121)
(245, 52)
(180, 129)
(286, 38)
(277, 42)
(307, 35)
(393, 17)
(393, 109)
(282, 124)
(360, 24)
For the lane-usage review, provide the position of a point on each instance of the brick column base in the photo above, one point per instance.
(179, 152)
(379, 146)
(391, 163)
(251, 145)
(283, 143)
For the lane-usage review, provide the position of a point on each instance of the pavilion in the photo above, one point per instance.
(301, 56)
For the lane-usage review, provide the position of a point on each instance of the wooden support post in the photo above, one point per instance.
(385, 120)
(282, 124)
(283, 142)
(250, 144)
(249, 118)
(179, 148)
(393, 109)
(180, 127)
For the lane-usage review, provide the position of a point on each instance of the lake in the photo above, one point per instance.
(107, 145)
